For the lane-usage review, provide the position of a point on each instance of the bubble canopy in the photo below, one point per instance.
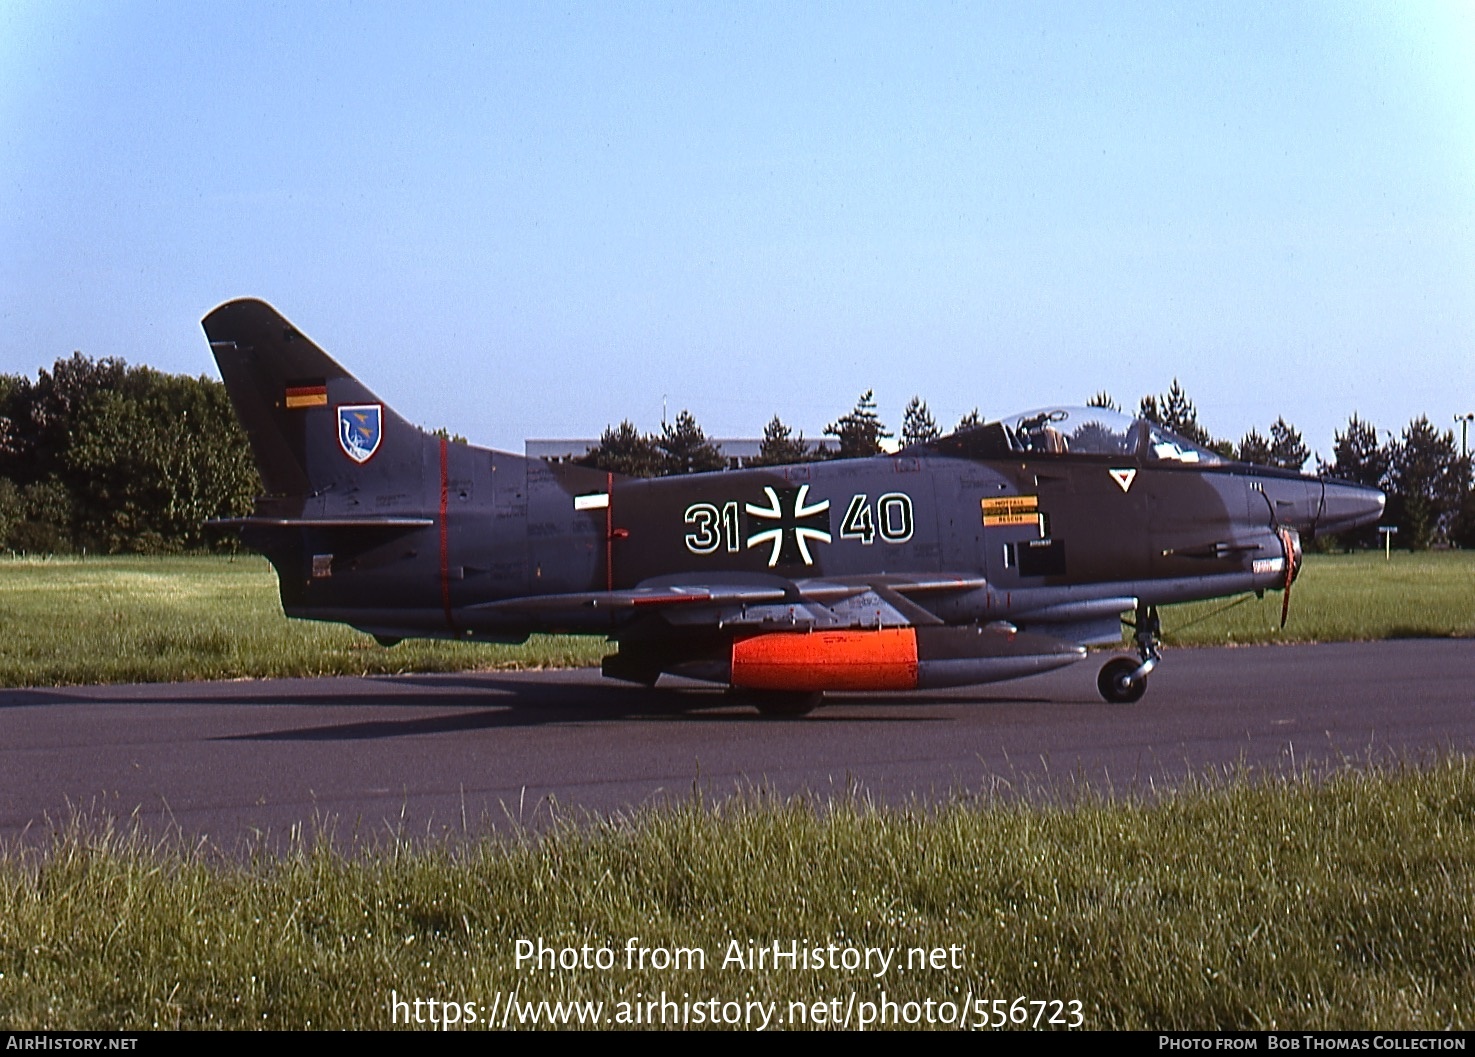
(1074, 431)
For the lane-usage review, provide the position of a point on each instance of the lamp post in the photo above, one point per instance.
(1464, 421)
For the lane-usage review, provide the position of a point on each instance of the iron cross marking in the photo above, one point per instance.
(788, 525)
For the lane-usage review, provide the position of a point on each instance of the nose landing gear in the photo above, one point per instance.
(1122, 680)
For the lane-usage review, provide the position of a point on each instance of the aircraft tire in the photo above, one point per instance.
(783, 704)
(1113, 685)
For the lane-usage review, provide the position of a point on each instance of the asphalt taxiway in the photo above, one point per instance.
(425, 755)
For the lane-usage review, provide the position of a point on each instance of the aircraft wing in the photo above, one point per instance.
(865, 633)
(746, 600)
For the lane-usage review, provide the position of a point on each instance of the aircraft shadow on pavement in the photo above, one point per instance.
(533, 704)
(480, 701)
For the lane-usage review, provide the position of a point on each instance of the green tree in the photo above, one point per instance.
(1358, 457)
(780, 447)
(1254, 448)
(116, 458)
(624, 449)
(1462, 531)
(1425, 478)
(155, 458)
(12, 509)
(1176, 412)
(860, 431)
(44, 522)
(41, 417)
(972, 420)
(1103, 399)
(686, 449)
(1283, 448)
(1286, 449)
(917, 424)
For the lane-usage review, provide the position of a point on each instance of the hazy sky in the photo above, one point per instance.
(522, 220)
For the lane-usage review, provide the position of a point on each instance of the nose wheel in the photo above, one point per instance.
(1123, 680)
(1116, 683)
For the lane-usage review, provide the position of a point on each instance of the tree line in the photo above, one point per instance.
(98, 456)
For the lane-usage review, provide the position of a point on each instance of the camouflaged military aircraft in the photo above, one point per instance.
(991, 553)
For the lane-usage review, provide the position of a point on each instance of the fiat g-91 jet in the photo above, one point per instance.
(991, 553)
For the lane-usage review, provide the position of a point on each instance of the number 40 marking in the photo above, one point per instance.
(891, 518)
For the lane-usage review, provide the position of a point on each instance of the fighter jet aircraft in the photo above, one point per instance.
(991, 553)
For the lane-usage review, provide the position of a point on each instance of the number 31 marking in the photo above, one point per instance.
(713, 528)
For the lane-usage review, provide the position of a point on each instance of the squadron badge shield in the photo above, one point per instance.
(360, 428)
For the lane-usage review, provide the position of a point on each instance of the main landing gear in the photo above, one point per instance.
(1123, 680)
(778, 704)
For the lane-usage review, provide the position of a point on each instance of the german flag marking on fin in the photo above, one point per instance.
(306, 394)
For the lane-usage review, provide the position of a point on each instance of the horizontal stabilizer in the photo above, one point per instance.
(396, 523)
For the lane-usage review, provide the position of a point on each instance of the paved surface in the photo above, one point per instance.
(423, 755)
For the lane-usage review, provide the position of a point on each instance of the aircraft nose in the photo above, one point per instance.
(1317, 506)
(1348, 506)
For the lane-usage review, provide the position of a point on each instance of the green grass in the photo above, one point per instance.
(1345, 902)
(95, 620)
(1345, 597)
(69, 620)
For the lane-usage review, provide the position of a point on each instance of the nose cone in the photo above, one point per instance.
(1348, 506)
(1314, 505)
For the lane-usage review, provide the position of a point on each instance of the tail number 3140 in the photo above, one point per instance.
(889, 518)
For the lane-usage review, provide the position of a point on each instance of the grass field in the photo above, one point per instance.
(68, 620)
(1294, 904)
(1345, 598)
(102, 620)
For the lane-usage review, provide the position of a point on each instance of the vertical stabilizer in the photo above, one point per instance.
(317, 433)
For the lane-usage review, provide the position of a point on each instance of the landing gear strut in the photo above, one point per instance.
(1122, 680)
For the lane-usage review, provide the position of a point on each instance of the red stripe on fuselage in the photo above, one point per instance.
(609, 532)
(445, 555)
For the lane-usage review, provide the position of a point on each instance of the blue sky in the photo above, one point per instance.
(522, 220)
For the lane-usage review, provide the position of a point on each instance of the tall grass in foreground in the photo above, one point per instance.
(1341, 903)
(69, 620)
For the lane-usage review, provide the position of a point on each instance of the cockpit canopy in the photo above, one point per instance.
(1074, 431)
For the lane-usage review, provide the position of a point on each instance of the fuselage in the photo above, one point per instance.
(1031, 535)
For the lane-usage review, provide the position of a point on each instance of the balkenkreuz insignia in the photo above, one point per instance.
(788, 524)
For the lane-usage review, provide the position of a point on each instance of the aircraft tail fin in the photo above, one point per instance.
(314, 429)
